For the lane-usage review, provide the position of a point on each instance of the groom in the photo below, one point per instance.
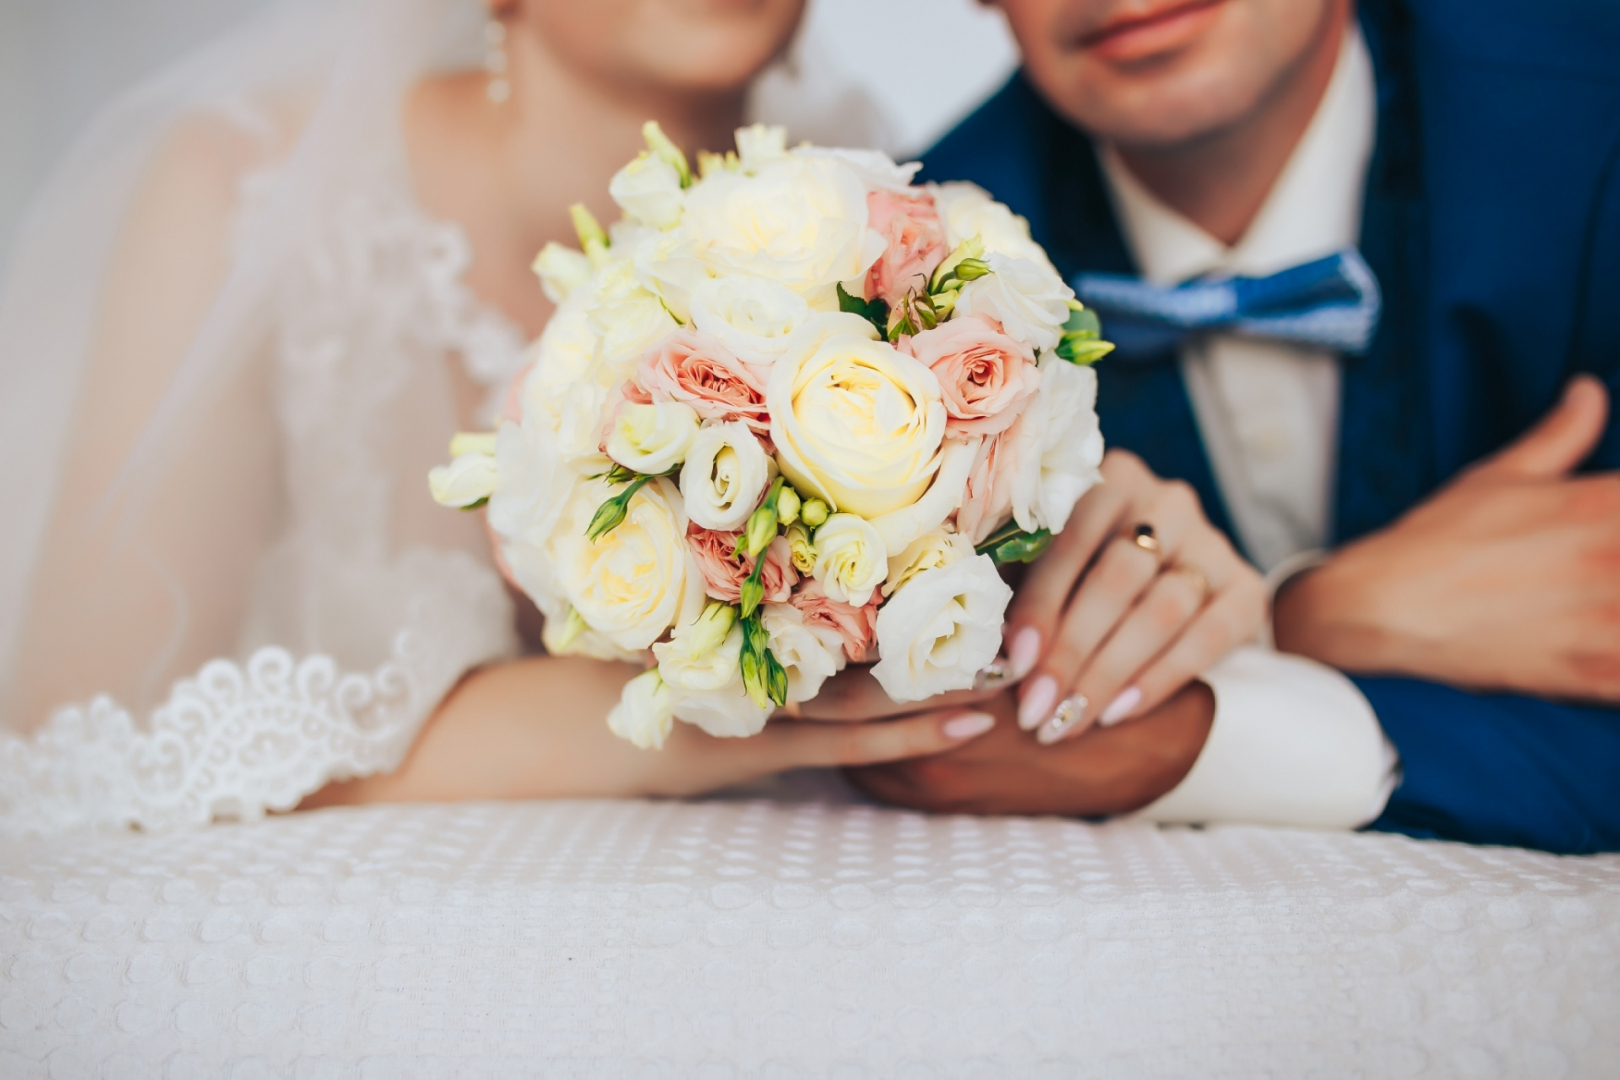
(1438, 501)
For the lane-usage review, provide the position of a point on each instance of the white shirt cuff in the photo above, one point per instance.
(1293, 742)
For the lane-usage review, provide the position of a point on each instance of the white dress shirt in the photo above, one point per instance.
(1294, 741)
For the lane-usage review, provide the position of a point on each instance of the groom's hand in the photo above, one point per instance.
(1106, 770)
(1507, 579)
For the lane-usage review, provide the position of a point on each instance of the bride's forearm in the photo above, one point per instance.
(531, 728)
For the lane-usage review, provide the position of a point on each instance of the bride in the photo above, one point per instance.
(240, 329)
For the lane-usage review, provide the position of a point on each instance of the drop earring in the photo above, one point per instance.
(497, 86)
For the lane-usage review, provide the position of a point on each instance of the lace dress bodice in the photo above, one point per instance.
(370, 602)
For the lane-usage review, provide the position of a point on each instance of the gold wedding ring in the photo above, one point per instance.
(1143, 536)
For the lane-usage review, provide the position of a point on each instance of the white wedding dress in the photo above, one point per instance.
(226, 365)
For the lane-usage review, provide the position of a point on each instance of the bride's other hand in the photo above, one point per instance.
(490, 740)
(1136, 597)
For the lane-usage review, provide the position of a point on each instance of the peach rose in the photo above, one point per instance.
(856, 625)
(987, 500)
(724, 573)
(695, 369)
(914, 240)
(986, 379)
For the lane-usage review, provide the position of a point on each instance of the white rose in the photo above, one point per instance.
(630, 584)
(668, 267)
(797, 221)
(728, 713)
(645, 712)
(809, 653)
(725, 474)
(466, 481)
(653, 439)
(1059, 446)
(716, 669)
(967, 210)
(1028, 299)
(850, 559)
(627, 319)
(649, 190)
(876, 169)
(899, 528)
(928, 552)
(561, 270)
(855, 422)
(752, 317)
(941, 629)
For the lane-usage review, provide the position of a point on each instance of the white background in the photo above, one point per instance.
(924, 63)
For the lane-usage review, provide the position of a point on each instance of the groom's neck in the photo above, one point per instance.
(1219, 179)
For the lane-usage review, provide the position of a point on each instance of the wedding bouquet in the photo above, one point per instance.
(790, 412)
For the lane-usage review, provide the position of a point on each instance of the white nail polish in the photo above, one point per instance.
(1024, 652)
(1036, 704)
(1121, 707)
(968, 725)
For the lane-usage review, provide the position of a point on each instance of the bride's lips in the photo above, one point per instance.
(1163, 28)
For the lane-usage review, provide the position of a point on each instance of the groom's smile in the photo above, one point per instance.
(1145, 32)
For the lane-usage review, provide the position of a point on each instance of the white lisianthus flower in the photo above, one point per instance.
(810, 653)
(561, 270)
(626, 318)
(667, 266)
(967, 210)
(653, 439)
(876, 169)
(899, 528)
(760, 143)
(855, 422)
(725, 474)
(727, 713)
(645, 712)
(687, 669)
(754, 318)
(850, 559)
(567, 388)
(929, 551)
(797, 221)
(649, 190)
(466, 481)
(1028, 299)
(941, 629)
(1058, 446)
(631, 584)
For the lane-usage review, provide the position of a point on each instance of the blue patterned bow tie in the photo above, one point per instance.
(1332, 303)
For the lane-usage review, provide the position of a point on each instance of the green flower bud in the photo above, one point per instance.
(971, 269)
(787, 506)
(593, 239)
(711, 628)
(814, 513)
(759, 532)
(752, 595)
(573, 625)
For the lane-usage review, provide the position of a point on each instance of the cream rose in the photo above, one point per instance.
(800, 222)
(649, 190)
(725, 474)
(941, 629)
(752, 317)
(850, 559)
(645, 712)
(855, 422)
(899, 528)
(630, 584)
(809, 652)
(969, 211)
(1028, 299)
(928, 552)
(653, 439)
(1058, 446)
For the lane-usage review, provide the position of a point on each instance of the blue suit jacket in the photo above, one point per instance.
(1492, 219)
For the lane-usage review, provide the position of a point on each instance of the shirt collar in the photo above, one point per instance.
(1314, 209)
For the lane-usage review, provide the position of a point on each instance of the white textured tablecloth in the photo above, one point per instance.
(758, 938)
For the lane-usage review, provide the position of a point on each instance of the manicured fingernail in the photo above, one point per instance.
(993, 674)
(1065, 718)
(1036, 704)
(968, 725)
(1023, 652)
(1121, 707)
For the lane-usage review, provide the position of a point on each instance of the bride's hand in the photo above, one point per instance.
(1136, 597)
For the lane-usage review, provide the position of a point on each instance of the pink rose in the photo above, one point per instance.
(724, 573)
(915, 241)
(985, 377)
(987, 499)
(696, 369)
(856, 625)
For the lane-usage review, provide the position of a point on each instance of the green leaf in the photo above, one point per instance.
(1023, 548)
(479, 505)
(1082, 322)
(874, 311)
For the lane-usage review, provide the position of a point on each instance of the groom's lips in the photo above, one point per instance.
(1141, 35)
